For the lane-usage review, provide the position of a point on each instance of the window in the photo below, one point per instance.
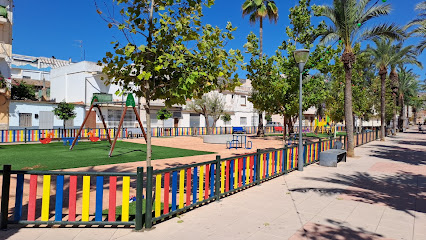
(26, 77)
(25, 120)
(243, 121)
(114, 116)
(243, 100)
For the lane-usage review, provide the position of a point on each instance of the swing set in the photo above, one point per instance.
(130, 102)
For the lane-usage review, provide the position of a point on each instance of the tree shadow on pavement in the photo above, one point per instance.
(400, 191)
(419, 143)
(399, 154)
(338, 230)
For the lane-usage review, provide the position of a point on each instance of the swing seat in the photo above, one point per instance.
(94, 139)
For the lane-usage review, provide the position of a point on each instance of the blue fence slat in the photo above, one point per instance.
(19, 196)
(99, 197)
(231, 175)
(267, 165)
(59, 197)
(195, 185)
(174, 190)
(244, 171)
(212, 180)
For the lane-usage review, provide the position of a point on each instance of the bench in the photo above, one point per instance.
(238, 130)
(331, 157)
(68, 140)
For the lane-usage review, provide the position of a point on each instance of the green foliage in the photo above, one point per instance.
(275, 79)
(348, 22)
(65, 111)
(268, 118)
(226, 117)
(23, 91)
(259, 9)
(419, 25)
(164, 114)
(176, 57)
(363, 89)
(210, 105)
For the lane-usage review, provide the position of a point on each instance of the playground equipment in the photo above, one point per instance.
(237, 142)
(130, 102)
(48, 138)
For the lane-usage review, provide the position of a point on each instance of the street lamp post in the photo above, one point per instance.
(301, 57)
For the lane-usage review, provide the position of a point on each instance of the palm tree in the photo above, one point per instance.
(258, 9)
(408, 89)
(348, 20)
(383, 56)
(420, 21)
(402, 56)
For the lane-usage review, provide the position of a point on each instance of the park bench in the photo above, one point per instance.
(238, 130)
(331, 157)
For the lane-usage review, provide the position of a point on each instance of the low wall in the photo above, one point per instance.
(217, 139)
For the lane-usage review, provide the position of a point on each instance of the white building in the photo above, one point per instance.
(78, 82)
(39, 115)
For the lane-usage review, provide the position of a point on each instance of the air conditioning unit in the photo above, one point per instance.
(177, 115)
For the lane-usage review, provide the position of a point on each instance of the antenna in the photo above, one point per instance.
(82, 50)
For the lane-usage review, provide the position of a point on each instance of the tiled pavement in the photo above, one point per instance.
(379, 194)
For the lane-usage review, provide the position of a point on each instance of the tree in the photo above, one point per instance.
(65, 111)
(362, 87)
(23, 91)
(164, 114)
(168, 54)
(420, 22)
(275, 88)
(348, 26)
(210, 105)
(226, 118)
(402, 56)
(408, 89)
(258, 9)
(386, 55)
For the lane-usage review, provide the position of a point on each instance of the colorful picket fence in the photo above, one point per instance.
(34, 135)
(65, 197)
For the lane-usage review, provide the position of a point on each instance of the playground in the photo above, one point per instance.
(55, 155)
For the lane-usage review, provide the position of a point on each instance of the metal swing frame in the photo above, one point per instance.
(130, 102)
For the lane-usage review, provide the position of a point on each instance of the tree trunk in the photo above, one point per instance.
(148, 132)
(260, 130)
(348, 59)
(393, 76)
(408, 117)
(206, 120)
(65, 133)
(401, 113)
(394, 115)
(284, 131)
(382, 74)
(147, 93)
(261, 37)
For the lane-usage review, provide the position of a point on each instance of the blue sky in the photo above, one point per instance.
(52, 28)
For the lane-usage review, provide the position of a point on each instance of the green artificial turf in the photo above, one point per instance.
(57, 156)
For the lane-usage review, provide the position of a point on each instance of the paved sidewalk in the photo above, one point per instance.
(379, 194)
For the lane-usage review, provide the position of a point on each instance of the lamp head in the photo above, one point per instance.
(301, 57)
